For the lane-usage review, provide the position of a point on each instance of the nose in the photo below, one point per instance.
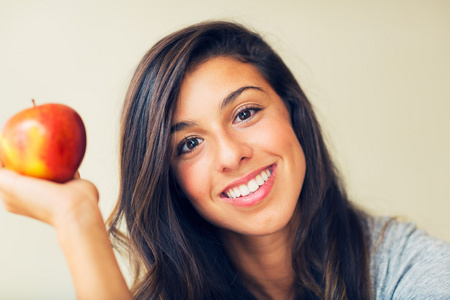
(231, 151)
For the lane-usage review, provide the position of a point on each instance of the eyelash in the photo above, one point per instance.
(253, 108)
(199, 140)
(184, 142)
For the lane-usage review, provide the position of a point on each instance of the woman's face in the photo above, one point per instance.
(236, 155)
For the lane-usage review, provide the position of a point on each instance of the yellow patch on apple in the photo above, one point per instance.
(46, 141)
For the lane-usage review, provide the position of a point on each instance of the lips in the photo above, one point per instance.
(251, 189)
(251, 186)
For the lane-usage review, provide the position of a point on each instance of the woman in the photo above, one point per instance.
(227, 190)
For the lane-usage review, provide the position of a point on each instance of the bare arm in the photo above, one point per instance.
(72, 209)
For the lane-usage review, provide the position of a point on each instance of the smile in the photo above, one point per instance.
(250, 187)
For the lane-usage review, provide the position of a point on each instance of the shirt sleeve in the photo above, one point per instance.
(407, 263)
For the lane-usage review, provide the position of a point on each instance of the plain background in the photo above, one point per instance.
(377, 73)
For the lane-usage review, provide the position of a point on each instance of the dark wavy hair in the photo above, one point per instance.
(176, 253)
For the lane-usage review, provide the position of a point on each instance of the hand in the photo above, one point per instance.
(72, 208)
(49, 202)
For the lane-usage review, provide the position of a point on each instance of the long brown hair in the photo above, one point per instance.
(179, 255)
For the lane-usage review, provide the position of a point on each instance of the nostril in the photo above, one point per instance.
(231, 150)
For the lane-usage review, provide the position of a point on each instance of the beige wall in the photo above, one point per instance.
(377, 72)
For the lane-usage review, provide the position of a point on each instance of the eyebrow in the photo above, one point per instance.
(225, 102)
(233, 95)
(182, 125)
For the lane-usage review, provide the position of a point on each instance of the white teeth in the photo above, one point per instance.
(264, 176)
(244, 190)
(237, 192)
(259, 180)
(252, 186)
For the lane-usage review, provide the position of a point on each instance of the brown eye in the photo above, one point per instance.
(245, 114)
(189, 144)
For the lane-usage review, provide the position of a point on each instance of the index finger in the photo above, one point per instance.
(39, 198)
(17, 186)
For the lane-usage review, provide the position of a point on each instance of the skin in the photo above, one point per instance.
(71, 208)
(229, 123)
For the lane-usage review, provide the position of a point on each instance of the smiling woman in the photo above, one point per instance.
(216, 102)
(228, 191)
(245, 132)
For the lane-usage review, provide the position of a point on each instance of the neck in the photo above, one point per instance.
(264, 262)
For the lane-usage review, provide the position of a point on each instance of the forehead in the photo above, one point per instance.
(212, 81)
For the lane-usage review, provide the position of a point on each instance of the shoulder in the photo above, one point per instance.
(405, 262)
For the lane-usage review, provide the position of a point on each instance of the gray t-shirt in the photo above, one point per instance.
(406, 263)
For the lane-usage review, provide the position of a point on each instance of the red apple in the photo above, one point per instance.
(46, 141)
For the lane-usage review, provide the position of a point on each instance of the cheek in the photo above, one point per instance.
(278, 135)
(280, 140)
(193, 179)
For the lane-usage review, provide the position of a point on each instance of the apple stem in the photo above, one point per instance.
(34, 103)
